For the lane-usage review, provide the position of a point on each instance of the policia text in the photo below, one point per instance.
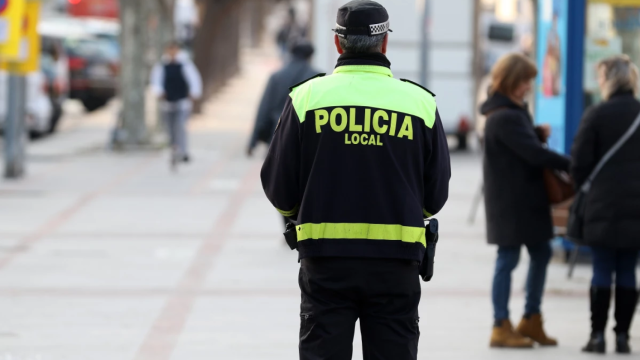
(382, 122)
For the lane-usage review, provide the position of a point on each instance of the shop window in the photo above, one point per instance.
(612, 28)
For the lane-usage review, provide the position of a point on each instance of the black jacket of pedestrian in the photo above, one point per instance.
(275, 97)
(517, 207)
(612, 216)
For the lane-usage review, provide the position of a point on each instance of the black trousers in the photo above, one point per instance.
(383, 293)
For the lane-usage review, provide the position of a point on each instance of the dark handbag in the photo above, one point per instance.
(575, 225)
(559, 186)
(558, 183)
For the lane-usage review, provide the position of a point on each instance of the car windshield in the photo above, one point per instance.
(112, 41)
(92, 48)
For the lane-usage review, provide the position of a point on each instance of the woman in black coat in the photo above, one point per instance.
(612, 218)
(517, 205)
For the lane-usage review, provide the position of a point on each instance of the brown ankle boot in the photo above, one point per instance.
(532, 329)
(504, 336)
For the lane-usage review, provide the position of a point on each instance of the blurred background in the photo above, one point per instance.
(108, 253)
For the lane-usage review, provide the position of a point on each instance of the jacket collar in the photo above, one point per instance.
(620, 93)
(497, 101)
(374, 63)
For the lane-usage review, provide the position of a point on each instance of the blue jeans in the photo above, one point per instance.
(508, 258)
(608, 261)
(176, 116)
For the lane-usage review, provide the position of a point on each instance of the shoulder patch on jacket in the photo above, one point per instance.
(309, 79)
(420, 86)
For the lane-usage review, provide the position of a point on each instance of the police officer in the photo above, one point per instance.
(358, 160)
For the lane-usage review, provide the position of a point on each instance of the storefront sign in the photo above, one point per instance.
(551, 84)
(618, 2)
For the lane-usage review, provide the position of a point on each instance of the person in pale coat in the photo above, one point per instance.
(177, 82)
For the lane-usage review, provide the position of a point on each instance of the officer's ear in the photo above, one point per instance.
(338, 47)
(384, 43)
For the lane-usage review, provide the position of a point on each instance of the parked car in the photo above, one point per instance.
(46, 89)
(93, 57)
(103, 67)
(38, 109)
(93, 68)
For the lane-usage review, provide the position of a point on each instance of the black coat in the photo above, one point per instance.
(612, 216)
(517, 206)
(275, 96)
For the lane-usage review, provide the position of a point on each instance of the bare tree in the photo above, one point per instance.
(146, 25)
(132, 126)
(166, 6)
(166, 23)
(217, 42)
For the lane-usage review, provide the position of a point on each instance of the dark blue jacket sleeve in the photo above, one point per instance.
(437, 171)
(264, 111)
(520, 137)
(280, 173)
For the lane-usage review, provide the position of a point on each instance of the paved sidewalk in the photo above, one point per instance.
(109, 256)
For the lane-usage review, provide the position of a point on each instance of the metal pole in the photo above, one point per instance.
(424, 54)
(14, 129)
(478, 61)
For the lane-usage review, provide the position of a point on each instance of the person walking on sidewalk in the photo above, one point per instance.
(291, 32)
(276, 94)
(517, 206)
(277, 91)
(612, 217)
(177, 82)
(357, 161)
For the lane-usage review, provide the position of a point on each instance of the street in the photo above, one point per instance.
(111, 256)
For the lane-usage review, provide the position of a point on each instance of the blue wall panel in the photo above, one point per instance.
(575, 60)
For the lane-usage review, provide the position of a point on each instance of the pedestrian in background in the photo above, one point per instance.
(277, 91)
(612, 217)
(517, 206)
(290, 33)
(177, 82)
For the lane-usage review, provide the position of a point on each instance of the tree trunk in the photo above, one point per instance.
(255, 15)
(132, 78)
(217, 43)
(167, 25)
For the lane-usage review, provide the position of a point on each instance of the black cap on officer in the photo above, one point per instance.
(362, 17)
